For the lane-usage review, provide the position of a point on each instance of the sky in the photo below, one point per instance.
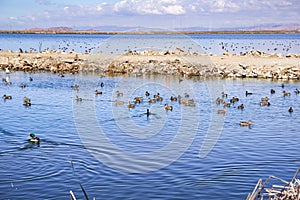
(157, 14)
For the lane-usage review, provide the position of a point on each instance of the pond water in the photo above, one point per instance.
(118, 44)
(120, 153)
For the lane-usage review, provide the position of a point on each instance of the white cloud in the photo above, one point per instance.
(13, 18)
(144, 7)
(155, 13)
(173, 9)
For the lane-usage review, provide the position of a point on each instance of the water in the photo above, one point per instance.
(118, 44)
(239, 158)
(116, 153)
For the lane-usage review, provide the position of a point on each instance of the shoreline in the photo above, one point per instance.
(95, 32)
(253, 64)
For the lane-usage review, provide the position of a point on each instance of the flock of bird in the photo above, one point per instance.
(264, 101)
(223, 100)
(147, 97)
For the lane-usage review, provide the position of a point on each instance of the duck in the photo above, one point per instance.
(183, 101)
(219, 101)
(234, 99)
(27, 101)
(130, 105)
(191, 104)
(102, 84)
(8, 83)
(78, 98)
(226, 105)
(151, 100)
(75, 87)
(98, 92)
(224, 95)
(241, 106)
(156, 95)
(222, 111)
(264, 99)
(33, 138)
(147, 93)
(248, 123)
(265, 103)
(297, 91)
(6, 97)
(119, 94)
(167, 107)
(272, 91)
(118, 102)
(158, 98)
(30, 79)
(138, 100)
(248, 93)
(286, 94)
(173, 98)
(291, 109)
(22, 85)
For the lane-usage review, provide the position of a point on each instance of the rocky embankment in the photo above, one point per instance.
(253, 64)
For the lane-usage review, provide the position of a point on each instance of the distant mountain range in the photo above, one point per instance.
(265, 27)
(137, 29)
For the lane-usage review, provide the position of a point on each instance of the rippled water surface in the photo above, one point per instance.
(187, 153)
(208, 43)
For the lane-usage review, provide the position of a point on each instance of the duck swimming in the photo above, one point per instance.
(98, 92)
(241, 106)
(272, 91)
(248, 123)
(78, 98)
(173, 98)
(75, 87)
(151, 100)
(27, 101)
(248, 93)
(33, 138)
(167, 107)
(223, 112)
(6, 97)
(286, 94)
(118, 102)
(130, 105)
(291, 109)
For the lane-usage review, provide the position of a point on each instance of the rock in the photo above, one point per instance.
(3, 61)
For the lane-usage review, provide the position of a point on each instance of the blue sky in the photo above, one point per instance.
(166, 14)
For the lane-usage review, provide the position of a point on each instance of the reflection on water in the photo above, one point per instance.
(239, 157)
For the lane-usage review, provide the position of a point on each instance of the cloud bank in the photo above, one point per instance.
(152, 13)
